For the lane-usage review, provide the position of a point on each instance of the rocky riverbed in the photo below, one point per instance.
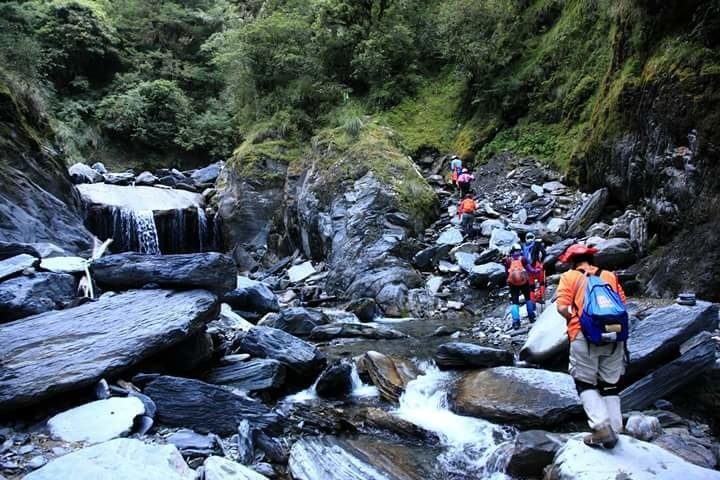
(367, 348)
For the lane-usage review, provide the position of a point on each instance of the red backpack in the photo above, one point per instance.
(517, 275)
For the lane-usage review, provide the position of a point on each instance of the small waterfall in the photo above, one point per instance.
(135, 230)
(360, 389)
(147, 232)
(202, 228)
(470, 443)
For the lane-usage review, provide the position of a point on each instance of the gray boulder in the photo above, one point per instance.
(252, 296)
(428, 258)
(193, 444)
(298, 321)
(108, 336)
(487, 275)
(208, 174)
(615, 253)
(13, 249)
(258, 375)
(29, 295)
(335, 381)
(487, 226)
(146, 179)
(81, 173)
(185, 402)
(547, 339)
(219, 468)
(354, 330)
(521, 396)
(16, 264)
(532, 451)
(99, 167)
(122, 179)
(212, 271)
(458, 355)
(302, 358)
(365, 309)
(587, 214)
(689, 448)
(97, 421)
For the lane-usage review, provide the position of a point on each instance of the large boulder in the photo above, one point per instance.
(16, 264)
(298, 321)
(81, 173)
(615, 253)
(354, 330)
(208, 174)
(428, 258)
(587, 213)
(212, 271)
(258, 375)
(301, 357)
(118, 459)
(60, 351)
(532, 451)
(688, 448)
(630, 459)
(467, 355)
(97, 421)
(656, 338)
(365, 309)
(185, 402)
(390, 375)
(29, 295)
(252, 296)
(520, 396)
(502, 240)
(335, 381)
(487, 275)
(547, 339)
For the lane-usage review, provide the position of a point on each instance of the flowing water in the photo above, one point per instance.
(202, 228)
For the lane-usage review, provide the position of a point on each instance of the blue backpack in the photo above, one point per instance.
(604, 319)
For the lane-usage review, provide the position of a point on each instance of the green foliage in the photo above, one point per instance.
(213, 131)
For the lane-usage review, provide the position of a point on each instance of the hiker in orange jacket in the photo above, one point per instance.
(466, 213)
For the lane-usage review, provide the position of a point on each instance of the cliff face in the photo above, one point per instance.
(37, 201)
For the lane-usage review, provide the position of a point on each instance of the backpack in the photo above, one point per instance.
(517, 275)
(604, 317)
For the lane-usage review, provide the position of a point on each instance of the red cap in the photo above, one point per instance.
(575, 250)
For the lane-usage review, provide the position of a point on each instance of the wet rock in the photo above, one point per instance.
(655, 339)
(598, 230)
(547, 339)
(17, 264)
(301, 357)
(615, 253)
(146, 179)
(118, 459)
(298, 273)
(532, 451)
(365, 309)
(487, 274)
(252, 296)
(643, 427)
(97, 421)
(193, 444)
(331, 458)
(219, 468)
(335, 381)
(521, 396)
(184, 402)
(258, 375)
(30, 295)
(630, 459)
(377, 418)
(213, 271)
(208, 174)
(354, 330)
(274, 449)
(390, 375)
(688, 448)
(670, 377)
(502, 240)
(588, 213)
(81, 173)
(298, 321)
(451, 236)
(459, 355)
(13, 249)
(108, 336)
(64, 264)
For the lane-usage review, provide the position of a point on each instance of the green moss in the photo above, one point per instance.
(266, 154)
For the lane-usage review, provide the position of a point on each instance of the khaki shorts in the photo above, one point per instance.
(590, 363)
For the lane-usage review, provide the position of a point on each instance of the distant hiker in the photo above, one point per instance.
(593, 303)
(456, 168)
(534, 251)
(518, 279)
(466, 213)
(464, 181)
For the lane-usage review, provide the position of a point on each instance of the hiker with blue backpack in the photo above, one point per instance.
(593, 303)
(518, 271)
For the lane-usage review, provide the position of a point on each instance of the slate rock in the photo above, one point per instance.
(97, 421)
(365, 309)
(146, 179)
(587, 213)
(13, 249)
(487, 274)
(502, 240)
(64, 264)
(251, 295)
(688, 448)
(487, 226)
(427, 258)
(257, 375)
(354, 330)
(193, 444)
(298, 273)
(520, 396)
(30, 295)
(390, 375)
(335, 381)
(532, 451)
(451, 236)
(185, 402)
(547, 339)
(615, 253)
(208, 174)
(219, 468)
(301, 357)
(458, 355)
(14, 265)
(118, 459)
(122, 179)
(212, 271)
(61, 351)
(190, 355)
(81, 173)
(298, 321)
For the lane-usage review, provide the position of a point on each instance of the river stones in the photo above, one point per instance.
(365, 309)
(655, 339)
(118, 459)
(335, 381)
(354, 330)
(98, 421)
(30, 295)
(212, 271)
(219, 468)
(547, 339)
(532, 451)
(16, 264)
(468, 355)
(390, 375)
(520, 396)
(258, 375)
(629, 459)
(301, 357)
(588, 213)
(65, 350)
(298, 321)
(81, 173)
(193, 444)
(185, 402)
(252, 296)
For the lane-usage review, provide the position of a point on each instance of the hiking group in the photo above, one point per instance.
(591, 300)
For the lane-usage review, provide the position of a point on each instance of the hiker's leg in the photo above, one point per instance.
(610, 369)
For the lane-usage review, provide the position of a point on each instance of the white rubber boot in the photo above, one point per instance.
(595, 409)
(612, 403)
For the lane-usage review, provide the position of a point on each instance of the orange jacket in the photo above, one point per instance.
(468, 205)
(571, 291)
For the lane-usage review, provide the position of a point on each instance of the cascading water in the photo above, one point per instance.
(202, 228)
(135, 229)
(470, 443)
(359, 389)
(147, 232)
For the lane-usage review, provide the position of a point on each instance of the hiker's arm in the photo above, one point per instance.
(620, 290)
(565, 297)
(530, 268)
